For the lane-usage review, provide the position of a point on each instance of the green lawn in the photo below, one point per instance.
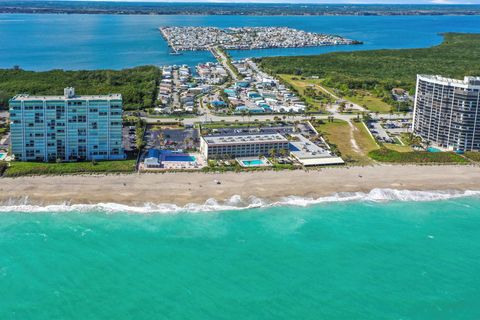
(365, 149)
(473, 155)
(339, 133)
(392, 156)
(18, 169)
(363, 138)
(360, 97)
(364, 98)
(398, 147)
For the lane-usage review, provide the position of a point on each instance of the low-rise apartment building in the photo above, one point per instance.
(242, 145)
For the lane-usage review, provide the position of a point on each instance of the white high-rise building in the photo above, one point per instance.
(446, 112)
(66, 128)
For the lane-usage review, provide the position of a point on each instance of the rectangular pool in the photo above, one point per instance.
(180, 158)
(255, 162)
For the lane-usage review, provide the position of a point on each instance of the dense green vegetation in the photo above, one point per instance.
(18, 169)
(473, 155)
(392, 156)
(3, 167)
(137, 85)
(378, 71)
(308, 89)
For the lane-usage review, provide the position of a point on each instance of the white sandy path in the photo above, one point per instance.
(355, 146)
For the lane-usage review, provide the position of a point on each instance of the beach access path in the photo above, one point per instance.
(184, 188)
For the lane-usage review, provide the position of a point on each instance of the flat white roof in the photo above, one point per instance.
(245, 139)
(467, 82)
(27, 97)
(309, 154)
(321, 161)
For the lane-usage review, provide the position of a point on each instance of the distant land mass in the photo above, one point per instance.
(190, 8)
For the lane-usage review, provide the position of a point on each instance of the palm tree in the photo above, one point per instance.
(161, 138)
(428, 143)
(272, 153)
(243, 112)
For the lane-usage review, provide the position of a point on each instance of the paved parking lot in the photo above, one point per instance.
(305, 129)
(172, 138)
(386, 130)
(129, 141)
(286, 129)
(379, 132)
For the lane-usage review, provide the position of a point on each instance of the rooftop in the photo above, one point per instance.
(27, 97)
(308, 153)
(468, 81)
(244, 139)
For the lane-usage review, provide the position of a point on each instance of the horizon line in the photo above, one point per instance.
(288, 2)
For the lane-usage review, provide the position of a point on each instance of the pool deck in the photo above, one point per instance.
(265, 162)
(167, 165)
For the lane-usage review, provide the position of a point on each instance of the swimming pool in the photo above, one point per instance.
(254, 162)
(3, 156)
(432, 149)
(180, 158)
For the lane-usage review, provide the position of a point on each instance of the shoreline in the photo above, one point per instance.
(182, 189)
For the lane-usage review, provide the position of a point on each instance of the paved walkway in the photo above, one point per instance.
(223, 59)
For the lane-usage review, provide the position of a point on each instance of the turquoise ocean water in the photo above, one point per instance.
(332, 260)
(43, 42)
(360, 259)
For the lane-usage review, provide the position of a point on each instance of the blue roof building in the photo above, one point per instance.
(218, 104)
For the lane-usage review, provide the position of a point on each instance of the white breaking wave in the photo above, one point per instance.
(237, 203)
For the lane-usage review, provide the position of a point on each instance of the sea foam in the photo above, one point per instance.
(237, 203)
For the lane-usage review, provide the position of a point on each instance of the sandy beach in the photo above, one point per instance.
(183, 188)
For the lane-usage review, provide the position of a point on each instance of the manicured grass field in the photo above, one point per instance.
(18, 169)
(392, 156)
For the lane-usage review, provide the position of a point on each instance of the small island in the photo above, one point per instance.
(246, 38)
